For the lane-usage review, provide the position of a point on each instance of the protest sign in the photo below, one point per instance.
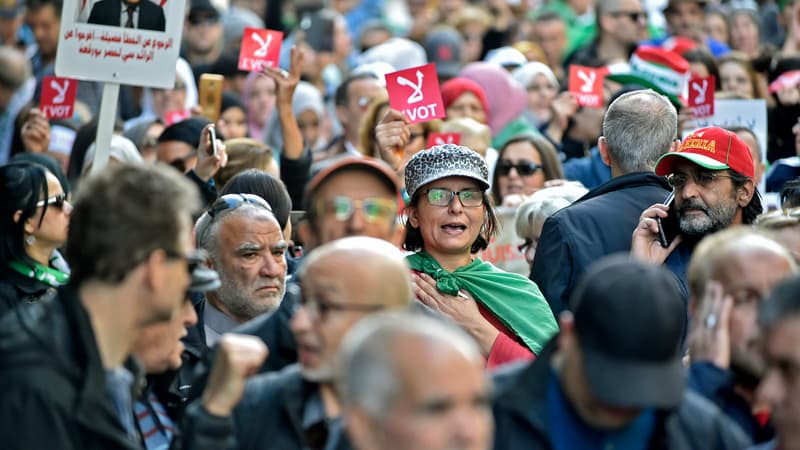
(415, 92)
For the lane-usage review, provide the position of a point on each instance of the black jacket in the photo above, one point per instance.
(520, 412)
(17, 289)
(596, 225)
(273, 329)
(109, 12)
(54, 390)
(270, 416)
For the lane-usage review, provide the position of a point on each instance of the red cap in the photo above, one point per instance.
(714, 148)
(377, 167)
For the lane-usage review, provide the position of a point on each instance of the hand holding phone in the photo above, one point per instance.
(212, 135)
(669, 227)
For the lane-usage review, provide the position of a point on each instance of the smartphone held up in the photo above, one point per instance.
(668, 227)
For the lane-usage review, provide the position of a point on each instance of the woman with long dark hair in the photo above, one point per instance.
(34, 218)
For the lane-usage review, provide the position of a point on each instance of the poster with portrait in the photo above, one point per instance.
(120, 41)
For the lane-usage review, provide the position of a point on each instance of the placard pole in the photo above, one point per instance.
(105, 126)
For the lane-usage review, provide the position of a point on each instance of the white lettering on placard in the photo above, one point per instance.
(58, 111)
(263, 46)
(588, 80)
(252, 65)
(62, 90)
(415, 96)
(701, 110)
(423, 112)
(701, 91)
(589, 99)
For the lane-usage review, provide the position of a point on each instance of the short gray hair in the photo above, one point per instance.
(367, 372)
(544, 203)
(639, 127)
(207, 227)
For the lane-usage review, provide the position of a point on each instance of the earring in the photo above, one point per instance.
(30, 239)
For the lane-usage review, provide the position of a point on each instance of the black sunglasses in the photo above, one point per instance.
(233, 201)
(56, 201)
(524, 168)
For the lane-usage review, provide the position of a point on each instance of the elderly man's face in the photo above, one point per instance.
(780, 387)
(707, 200)
(443, 402)
(159, 346)
(354, 187)
(251, 264)
(749, 276)
(337, 292)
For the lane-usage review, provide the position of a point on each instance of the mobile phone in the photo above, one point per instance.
(212, 150)
(669, 227)
(211, 95)
(318, 28)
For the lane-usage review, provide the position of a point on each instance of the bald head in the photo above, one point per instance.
(375, 268)
(14, 70)
(735, 250)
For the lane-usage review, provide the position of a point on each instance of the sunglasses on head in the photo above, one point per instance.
(232, 201)
(524, 168)
(56, 201)
(374, 209)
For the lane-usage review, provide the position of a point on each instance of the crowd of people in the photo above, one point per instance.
(305, 270)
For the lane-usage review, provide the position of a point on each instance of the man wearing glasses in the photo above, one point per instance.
(342, 282)
(712, 179)
(621, 25)
(730, 275)
(349, 197)
(62, 360)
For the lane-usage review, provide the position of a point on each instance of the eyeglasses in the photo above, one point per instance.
(634, 16)
(193, 259)
(232, 201)
(57, 201)
(443, 197)
(701, 178)
(527, 245)
(181, 163)
(779, 218)
(374, 209)
(203, 20)
(321, 309)
(524, 168)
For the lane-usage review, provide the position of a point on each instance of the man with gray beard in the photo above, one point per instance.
(711, 175)
(246, 247)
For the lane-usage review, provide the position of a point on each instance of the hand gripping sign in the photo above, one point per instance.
(415, 92)
(260, 48)
(701, 96)
(58, 97)
(443, 138)
(587, 85)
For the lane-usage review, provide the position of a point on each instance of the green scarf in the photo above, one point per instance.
(513, 299)
(48, 275)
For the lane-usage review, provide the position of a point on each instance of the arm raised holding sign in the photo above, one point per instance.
(295, 160)
(392, 135)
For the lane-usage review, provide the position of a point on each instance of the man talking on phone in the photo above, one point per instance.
(711, 175)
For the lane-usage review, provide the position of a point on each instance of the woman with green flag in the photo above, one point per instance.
(34, 217)
(449, 219)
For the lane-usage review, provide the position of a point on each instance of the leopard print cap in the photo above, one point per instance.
(441, 161)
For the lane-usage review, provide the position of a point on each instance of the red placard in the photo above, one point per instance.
(443, 138)
(415, 92)
(176, 116)
(701, 96)
(587, 85)
(58, 97)
(260, 48)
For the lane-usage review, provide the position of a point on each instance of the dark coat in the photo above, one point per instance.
(17, 289)
(54, 390)
(270, 416)
(109, 12)
(520, 412)
(598, 224)
(273, 329)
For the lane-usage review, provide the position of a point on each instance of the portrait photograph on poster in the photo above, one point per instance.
(120, 41)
